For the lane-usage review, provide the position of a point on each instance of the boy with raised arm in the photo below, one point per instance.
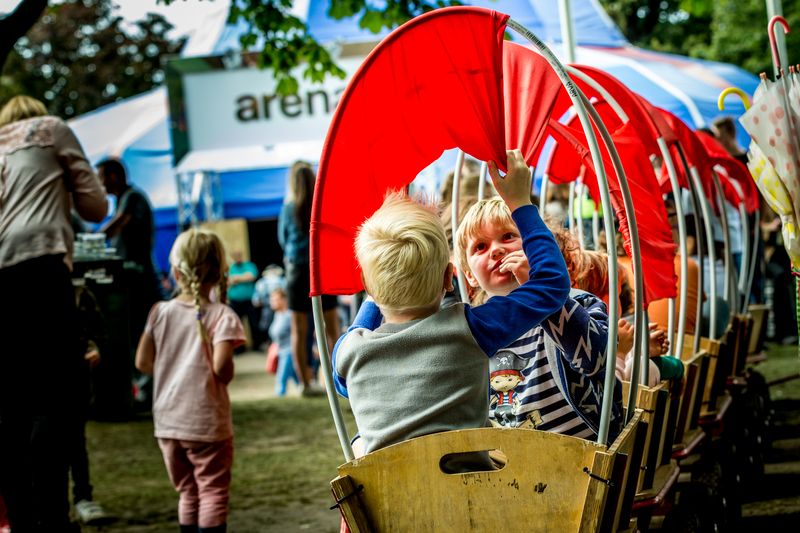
(559, 361)
(424, 368)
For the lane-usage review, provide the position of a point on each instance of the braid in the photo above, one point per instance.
(193, 283)
(222, 288)
(200, 258)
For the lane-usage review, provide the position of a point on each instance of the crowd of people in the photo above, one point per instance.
(528, 348)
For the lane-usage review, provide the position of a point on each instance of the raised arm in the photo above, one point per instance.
(503, 319)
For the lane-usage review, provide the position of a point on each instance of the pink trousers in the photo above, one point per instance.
(201, 473)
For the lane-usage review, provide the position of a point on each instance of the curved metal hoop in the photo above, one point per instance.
(578, 98)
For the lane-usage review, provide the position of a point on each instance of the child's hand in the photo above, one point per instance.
(517, 264)
(92, 357)
(659, 342)
(515, 187)
(624, 338)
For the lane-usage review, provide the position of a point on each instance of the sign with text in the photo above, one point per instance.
(213, 107)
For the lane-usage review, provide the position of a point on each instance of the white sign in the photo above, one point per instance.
(239, 107)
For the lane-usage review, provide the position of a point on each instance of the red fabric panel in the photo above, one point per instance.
(694, 151)
(635, 141)
(433, 84)
(628, 100)
(655, 234)
(734, 168)
(531, 90)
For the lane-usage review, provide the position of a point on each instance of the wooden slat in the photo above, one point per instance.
(759, 331)
(350, 504)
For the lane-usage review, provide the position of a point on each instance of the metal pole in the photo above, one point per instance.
(567, 30)
(571, 206)
(726, 242)
(543, 193)
(595, 228)
(579, 216)
(712, 254)
(641, 367)
(327, 372)
(677, 348)
(462, 281)
(699, 242)
(482, 180)
(573, 91)
(753, 259)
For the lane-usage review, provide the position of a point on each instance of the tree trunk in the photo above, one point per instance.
(17, 24)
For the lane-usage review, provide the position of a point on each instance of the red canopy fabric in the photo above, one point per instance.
(698, 156)
(434, 84)
(734, 169)
(531, 89)
(632, 139)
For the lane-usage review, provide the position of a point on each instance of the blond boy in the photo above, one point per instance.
(412, 367)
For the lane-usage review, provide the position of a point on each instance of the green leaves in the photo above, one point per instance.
(286, 44)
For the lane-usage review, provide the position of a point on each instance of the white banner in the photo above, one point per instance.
(239, 107)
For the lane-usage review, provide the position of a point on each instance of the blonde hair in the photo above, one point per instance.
(403, 254)
(199, 256)
(21, 107)
(492, 211)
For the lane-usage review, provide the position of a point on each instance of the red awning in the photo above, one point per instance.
(434, 84)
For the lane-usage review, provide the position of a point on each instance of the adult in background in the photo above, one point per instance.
(241, 285)
(131, 231)
(43, 172)
(293, 231)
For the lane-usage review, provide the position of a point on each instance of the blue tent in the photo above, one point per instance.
(137, 129)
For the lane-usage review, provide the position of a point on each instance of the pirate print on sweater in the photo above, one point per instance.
(550, 378)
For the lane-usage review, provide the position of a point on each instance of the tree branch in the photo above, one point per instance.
(17, 24)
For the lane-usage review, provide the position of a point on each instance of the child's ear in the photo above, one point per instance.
(471, 279)
(448, 278)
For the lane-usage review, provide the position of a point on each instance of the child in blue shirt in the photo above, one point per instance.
(560, 360)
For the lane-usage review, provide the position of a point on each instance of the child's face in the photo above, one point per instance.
(485, 253)
(505, 382)
(277, 301)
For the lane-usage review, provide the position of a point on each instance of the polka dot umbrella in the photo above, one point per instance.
(773, 123)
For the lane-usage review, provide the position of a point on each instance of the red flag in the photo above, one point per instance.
(435, 83)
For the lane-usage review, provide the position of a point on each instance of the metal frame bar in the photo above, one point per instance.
(327, 371)
(578, 99)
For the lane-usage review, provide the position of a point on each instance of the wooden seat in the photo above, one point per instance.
(716, 374)
(549, 482)
(759, 315)
(655, 405)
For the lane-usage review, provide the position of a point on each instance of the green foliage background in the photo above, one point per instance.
(731, 31)
(81, 55)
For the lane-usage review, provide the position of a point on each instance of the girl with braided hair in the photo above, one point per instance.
(187, 346)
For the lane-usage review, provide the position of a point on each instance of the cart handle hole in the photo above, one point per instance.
(479, 461)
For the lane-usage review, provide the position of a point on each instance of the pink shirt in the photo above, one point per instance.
(189, 402)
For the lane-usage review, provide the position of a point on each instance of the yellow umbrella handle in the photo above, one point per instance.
(733, 90)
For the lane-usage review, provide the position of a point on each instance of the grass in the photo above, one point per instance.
(286, 452)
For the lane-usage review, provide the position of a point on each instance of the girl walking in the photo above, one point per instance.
(187, 346)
